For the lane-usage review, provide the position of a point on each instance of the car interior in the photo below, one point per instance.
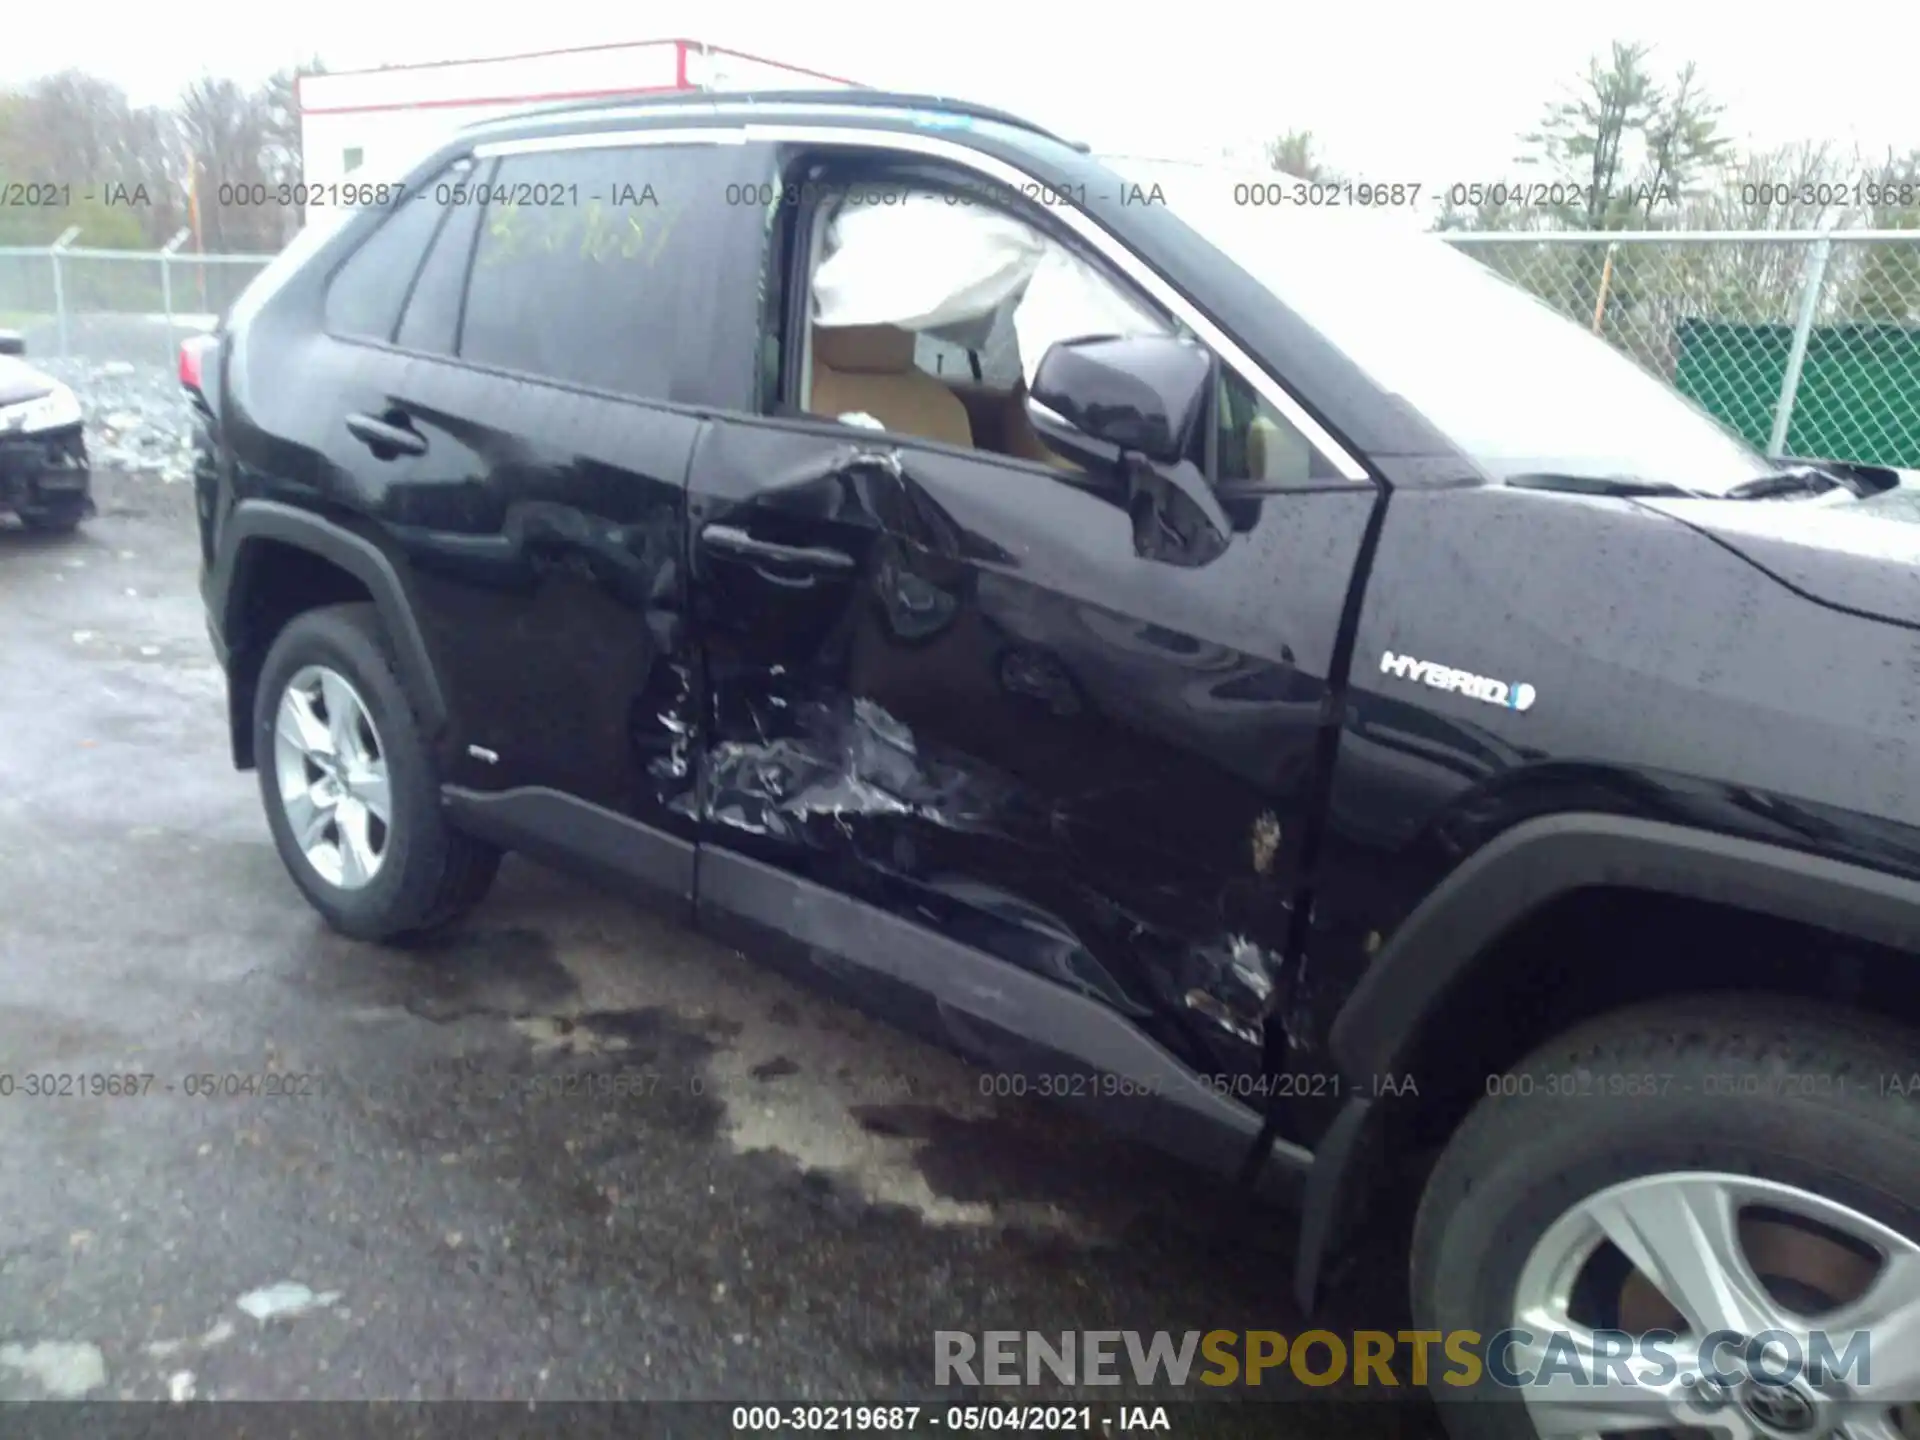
(894, 371)
(941, 350)
(874, 370)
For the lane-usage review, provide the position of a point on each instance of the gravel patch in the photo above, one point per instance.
(138, 420)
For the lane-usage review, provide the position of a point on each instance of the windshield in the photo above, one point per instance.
(1517, 386)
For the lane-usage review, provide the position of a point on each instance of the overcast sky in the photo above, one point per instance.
(1433, 93)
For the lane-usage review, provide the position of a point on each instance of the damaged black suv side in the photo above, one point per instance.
(1346, 719)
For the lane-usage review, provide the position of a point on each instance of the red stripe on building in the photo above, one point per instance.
(680, 74)
(551, 98)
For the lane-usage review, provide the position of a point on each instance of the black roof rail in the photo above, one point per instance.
(856, 99)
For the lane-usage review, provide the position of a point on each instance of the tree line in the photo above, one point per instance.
(1626, 148)
(74, 150)
(1623, 149)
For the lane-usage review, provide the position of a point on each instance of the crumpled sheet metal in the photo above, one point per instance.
(854, 761)
(845, 762)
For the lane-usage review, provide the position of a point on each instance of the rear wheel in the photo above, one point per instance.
(349, 786)
(1676, 1212)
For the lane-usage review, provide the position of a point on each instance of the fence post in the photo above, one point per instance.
(166, 283)
(1606, 285)
(67, 237)
(1802, 333)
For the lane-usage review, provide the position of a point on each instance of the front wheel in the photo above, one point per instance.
(1698, 1218)
(349, 784)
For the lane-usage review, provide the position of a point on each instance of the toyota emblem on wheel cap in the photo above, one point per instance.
(1784, 1408)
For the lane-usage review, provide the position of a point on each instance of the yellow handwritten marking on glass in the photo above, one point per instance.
(504, 229)
(635, 239)
(599, 236)
(664, 230)
(634, 235)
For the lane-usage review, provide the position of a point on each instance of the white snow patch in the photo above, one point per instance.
(285, 1299)
(220, 1332)
(65, 1369)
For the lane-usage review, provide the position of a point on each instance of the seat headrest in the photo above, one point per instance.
(864, 349)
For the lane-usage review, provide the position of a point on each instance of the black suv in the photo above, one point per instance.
(1252, 673)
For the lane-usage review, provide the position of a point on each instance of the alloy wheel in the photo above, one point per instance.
(331, 771)
(1793, 1275)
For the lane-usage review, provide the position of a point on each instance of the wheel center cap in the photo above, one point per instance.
(1780, 1409)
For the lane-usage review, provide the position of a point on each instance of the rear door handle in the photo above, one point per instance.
(806, 557)
(387, 436)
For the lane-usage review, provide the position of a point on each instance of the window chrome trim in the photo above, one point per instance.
(739, 127)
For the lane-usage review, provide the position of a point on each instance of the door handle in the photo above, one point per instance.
(393, 436)
(807, 557)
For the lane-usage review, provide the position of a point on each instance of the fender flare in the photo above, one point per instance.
(1538, 861)
(255, 520)
(1502, 883)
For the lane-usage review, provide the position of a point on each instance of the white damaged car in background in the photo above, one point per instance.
(45, 479)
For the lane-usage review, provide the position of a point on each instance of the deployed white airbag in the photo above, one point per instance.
(945, 268)
(1067, 299)
(916, 261)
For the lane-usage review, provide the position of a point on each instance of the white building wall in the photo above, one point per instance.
(380, 121)
(713, 68)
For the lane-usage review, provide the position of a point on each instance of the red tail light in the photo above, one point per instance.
(191, 352)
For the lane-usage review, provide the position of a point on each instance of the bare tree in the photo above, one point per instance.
(155, 164)
(226, 130)
(71, 119)
(1792, 188)
(280, 99)
(1882, 282)
(114, 165)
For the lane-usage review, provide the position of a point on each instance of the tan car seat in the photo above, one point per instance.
(869, 368)
(1277, 453)
(1023, 441)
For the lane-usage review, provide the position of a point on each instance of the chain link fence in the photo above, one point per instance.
(110, 306)
(1806, 342)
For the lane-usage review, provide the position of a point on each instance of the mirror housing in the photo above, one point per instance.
(1141, 394)
(12, 342)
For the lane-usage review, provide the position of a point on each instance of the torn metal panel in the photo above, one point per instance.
(845, 762)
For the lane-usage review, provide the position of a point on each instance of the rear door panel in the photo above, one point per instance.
(544, 531)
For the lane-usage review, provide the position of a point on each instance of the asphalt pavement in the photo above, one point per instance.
(574, 1152)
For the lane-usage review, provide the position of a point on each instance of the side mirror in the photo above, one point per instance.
(12, 342)
(1105, 398)
(1144, 394)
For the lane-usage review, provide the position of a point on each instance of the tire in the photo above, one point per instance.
(1749, 1094)
(428, 874)
(58, 518)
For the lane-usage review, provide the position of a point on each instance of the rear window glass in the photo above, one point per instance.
(432, 320)
(591, 265)
(365, 296)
